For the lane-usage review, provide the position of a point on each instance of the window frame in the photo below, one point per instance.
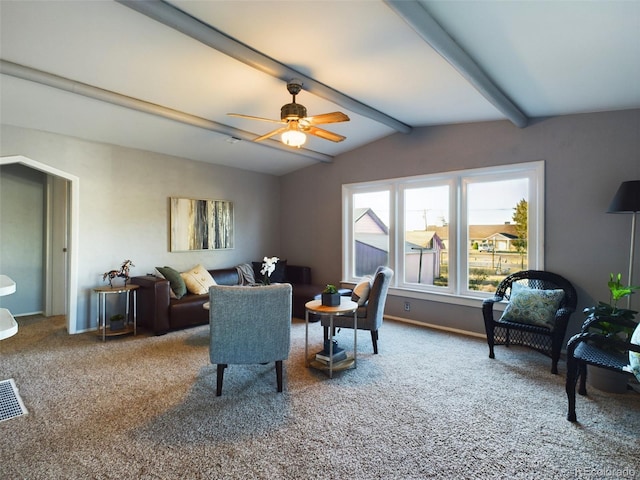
(457, 289)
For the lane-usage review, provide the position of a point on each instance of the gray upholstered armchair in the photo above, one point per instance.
(370, 315)
(249, 325)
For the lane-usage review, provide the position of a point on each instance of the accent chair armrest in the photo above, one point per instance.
(492, 300)
(487, 307)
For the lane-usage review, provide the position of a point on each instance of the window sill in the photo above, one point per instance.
(451, 299)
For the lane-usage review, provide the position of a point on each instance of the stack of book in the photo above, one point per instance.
(339, 354)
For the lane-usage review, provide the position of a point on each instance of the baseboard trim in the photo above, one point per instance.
(436, 327)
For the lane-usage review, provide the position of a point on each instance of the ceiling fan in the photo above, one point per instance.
(295, 123)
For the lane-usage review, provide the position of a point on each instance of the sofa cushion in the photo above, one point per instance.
(198, 280)
(175, 280)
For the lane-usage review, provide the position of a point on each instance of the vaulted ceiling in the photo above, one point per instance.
(162, 76)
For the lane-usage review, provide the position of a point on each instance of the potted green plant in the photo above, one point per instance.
(330, 296)
(116, 322)
(621, 325)
(617, 292)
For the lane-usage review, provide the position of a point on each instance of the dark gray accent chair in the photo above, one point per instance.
(249, 325)
(370, 315)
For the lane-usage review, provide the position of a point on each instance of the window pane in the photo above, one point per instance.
(497, 232)
(370, 231)
(426, 236)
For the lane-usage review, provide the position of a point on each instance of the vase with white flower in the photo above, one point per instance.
(268, 267)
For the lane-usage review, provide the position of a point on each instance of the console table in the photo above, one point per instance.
(346, 307)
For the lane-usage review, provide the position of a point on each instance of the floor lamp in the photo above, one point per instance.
(627, 200)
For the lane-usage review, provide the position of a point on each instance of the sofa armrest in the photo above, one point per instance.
(152, 303)
(298, 275)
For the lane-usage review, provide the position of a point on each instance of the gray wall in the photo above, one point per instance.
(22, 237)
(587, 157)
(124, 207)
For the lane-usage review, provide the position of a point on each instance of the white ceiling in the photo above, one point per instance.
(548, 57)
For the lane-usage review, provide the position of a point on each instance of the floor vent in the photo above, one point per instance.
(11, 405)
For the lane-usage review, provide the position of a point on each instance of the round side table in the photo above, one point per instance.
(346, 307)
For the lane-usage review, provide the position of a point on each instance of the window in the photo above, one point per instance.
(370, 231)
(458, 233)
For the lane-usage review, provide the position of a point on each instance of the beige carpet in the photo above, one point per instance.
(430, 405)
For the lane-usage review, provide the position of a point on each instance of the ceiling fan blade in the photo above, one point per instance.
(326, 134)
(333, 117)
(239, 115)
(270, 134)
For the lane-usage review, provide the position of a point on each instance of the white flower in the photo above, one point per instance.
(268, 266)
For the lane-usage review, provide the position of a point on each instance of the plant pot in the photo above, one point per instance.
(115, 325)
(607, 380)
(330, 299)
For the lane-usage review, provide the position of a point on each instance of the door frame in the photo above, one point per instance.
(74, 214)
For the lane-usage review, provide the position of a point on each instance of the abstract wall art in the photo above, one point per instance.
(201, 224)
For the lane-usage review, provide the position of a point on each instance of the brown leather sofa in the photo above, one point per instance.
(159, 313)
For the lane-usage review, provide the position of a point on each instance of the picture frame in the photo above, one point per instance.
(200, 224)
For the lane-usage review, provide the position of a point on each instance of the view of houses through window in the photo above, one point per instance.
(426, 235)
(372, 237)
(497, 231)
(457, 233)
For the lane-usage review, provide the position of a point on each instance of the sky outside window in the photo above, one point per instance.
(493, 203)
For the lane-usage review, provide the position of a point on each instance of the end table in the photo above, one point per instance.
(130, 327)
(346, 307)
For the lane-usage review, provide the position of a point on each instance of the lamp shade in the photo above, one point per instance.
(627, 198)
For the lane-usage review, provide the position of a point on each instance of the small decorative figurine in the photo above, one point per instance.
(122, 273)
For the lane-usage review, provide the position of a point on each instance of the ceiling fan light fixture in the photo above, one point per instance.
(295, 124)
(293, 138)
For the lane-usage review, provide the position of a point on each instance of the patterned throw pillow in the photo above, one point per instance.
(533, 306)
(198, 280)
(175, 280)
(361, 291)
(634, 357)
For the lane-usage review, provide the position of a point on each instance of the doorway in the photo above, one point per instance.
(65, 187)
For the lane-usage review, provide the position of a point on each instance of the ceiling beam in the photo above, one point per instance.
(177, 19)
(79, 88)
(415, 14)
